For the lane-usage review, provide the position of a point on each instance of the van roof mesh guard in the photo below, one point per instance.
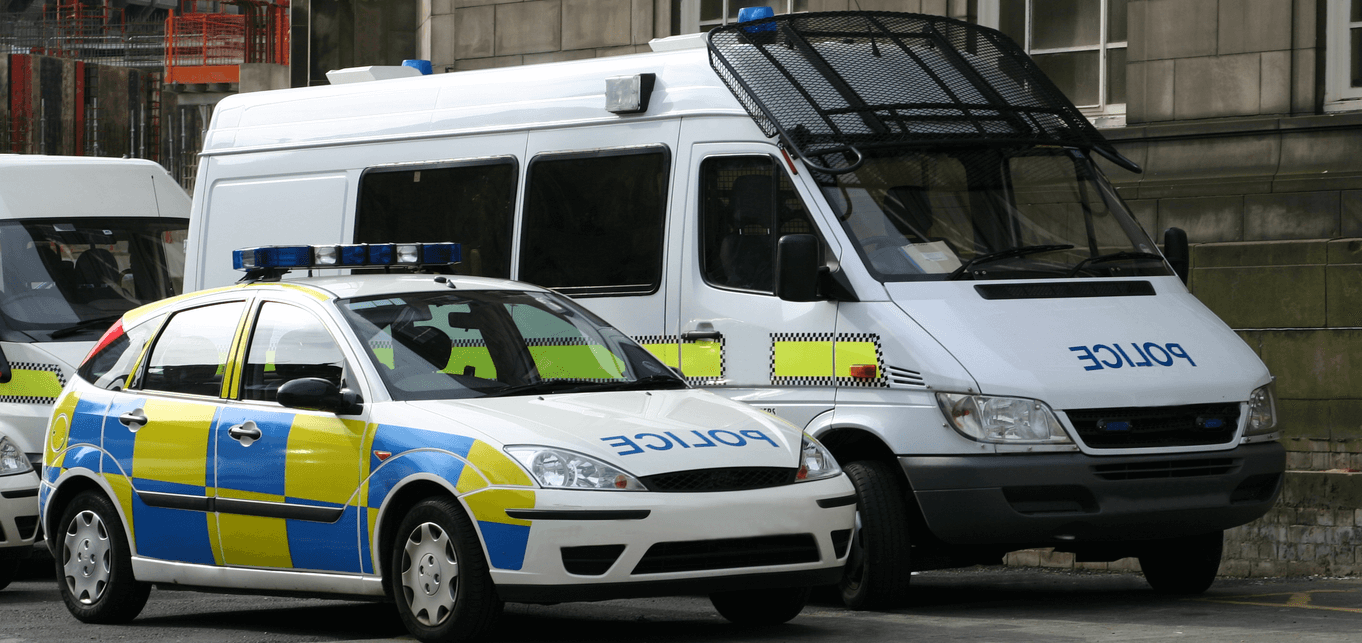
(834, 84)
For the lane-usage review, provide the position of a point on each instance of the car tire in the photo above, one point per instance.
(761, 607)
(878, 566)
(94, 563)
(438, 574)
(1183, 566)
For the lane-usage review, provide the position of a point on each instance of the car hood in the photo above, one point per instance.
(1089, 352)
(642, 432)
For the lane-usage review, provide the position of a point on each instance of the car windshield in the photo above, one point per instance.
(989, 213)
(61, 278)
(465, 344)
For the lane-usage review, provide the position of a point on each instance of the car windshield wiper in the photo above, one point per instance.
(101, 323)
(1021, 251)
(643, 383)
(1114, 256)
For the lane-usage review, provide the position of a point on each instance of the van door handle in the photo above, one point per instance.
(692, 335)
(245, 433)
(133, 419)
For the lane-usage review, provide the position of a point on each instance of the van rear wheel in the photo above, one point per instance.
(1183, 566)
(878, 566)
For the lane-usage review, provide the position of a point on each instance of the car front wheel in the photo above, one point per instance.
(94, 564)
(439, 576)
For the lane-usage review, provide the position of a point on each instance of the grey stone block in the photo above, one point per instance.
(1203, 166)
(592, 24)
(459, 4)
(1135, 29)
(1296, 215)
(1147, 214)
(1274, 91)
(615, 51)
(529, 27)
(1206, 219)
(641, 17)
(442, 39)
(910, 6)
(475, 32)
(1320, 160)
(829, 5)
(1176, 28)
(1303, 19)
(1303, 81)
(1218, 86)
(489, 63)
(1149, 91)
(1254, 25)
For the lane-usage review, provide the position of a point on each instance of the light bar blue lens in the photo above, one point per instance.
(748, 14)
(272, 257)
(354, 255)
(381, 254)
(436, 253)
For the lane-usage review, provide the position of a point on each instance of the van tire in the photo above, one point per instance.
(878, 566)
(761, 607)
(94, 563)
(436, 547)
(9, 570)
(1183, 566)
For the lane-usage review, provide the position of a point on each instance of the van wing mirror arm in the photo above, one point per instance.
(1177, 251)
(6, 371)
(833, 284)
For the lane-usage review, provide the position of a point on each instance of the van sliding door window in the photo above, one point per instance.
(593, 221)
(468, 202)
(747, 204)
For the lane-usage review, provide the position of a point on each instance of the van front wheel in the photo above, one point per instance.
(1183, 565)
(878, 566)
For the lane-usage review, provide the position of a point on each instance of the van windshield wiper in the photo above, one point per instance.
(100, 323)
(1114, 256)
(1020, 251)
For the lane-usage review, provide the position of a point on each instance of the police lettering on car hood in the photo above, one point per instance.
(1089, 352)
(645, 435)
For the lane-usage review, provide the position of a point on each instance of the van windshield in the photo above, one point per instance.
(71, 278)
(989, 213)
(466, 344)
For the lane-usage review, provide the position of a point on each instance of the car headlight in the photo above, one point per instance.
(562, 469)
(815, 461)
(1262, 410)
(12, 460)
(1006, 420)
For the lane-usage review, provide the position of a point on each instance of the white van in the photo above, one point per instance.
(82, 240)
(885, 228)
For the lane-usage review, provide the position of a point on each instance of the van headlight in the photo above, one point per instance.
(562, 469)
(815, 461)
(12, 459)
(1262, 409)
(1006, 420)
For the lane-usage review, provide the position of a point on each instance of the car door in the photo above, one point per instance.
(157, 432)
(286, 479)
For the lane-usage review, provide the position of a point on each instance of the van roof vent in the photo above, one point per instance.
(835, 84)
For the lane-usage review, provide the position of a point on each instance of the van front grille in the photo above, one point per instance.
(1157, 426)
(1167, 469)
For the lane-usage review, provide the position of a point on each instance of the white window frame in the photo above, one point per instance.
(690, 14)
(989, 16)
(1339, 94)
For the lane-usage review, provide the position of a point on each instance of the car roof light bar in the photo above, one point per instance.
(271, 262)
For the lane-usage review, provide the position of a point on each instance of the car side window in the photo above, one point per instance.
(110, 367)
(747, 204)
(289, 343)
(190, 356)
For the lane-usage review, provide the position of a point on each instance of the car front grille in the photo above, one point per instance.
(1159, 426)
(728, 553)
(728, 479)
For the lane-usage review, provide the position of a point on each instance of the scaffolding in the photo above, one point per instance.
(210, 47)
(94, 33)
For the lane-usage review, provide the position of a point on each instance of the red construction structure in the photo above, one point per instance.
(204, 48)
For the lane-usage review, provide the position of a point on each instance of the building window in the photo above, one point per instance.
(1343, 66)
(1079, 44)
(693, 16)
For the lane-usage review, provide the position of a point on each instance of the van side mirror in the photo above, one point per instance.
(1176, 250)
(797, 268)
(317, 394)
(6, 371)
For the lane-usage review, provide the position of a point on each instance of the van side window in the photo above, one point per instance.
(747, 203)
(593, 222)
(471, 203)
(190, 356)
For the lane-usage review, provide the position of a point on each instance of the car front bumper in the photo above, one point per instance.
(18, 514)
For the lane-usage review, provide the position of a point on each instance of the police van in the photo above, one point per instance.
(888, 229)
(82, 240)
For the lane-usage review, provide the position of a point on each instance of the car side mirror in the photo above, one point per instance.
(797, 268)
(317, 394)
(1176, 250)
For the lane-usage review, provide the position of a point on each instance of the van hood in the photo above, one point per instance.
(642, 432)
(1088, 352)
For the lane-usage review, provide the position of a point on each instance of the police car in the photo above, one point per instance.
(18, 508)
(445, 442)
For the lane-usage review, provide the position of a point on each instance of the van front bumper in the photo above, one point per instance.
(1051, 499)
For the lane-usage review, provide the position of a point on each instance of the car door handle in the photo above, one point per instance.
(133, 419)
(692, 335)
(244, 433)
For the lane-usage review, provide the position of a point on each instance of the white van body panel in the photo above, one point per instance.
(45, 187)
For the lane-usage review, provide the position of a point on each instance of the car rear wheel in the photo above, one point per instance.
(1183, 565)
(878, 567)
(94, 566)
(438, 575)
(761, 607)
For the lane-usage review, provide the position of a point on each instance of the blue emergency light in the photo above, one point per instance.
(350, 255)
(749, 14)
